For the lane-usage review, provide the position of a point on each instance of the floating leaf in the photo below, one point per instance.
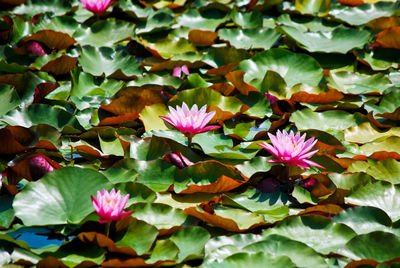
(294, 68)
(103, 60)
(60, 197)
(104, 33)
(317, 232)
(250, 38)
(377, 194)
(379, 246)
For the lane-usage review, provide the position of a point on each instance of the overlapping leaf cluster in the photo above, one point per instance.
(83, 93)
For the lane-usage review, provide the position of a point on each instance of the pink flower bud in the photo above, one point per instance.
(35, 48)
(179, 160)
(39, 166)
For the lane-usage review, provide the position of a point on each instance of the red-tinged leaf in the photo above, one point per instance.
(362, 263)
(280, 122)
(224, 88)
(223, 70)
(251, 5)
(11, 79)
(5, 34)
(13, 2)
(201, 37)
(46, 145)
(351, 2)
(134, 262)
(343, 162)
(389, 38)
(9, 144)
(381, 155)
(91, 151)
(34, 166)
(42, 90)
(324, 97)
(104, 242)
(50, 261)
(327, 148)
(236, 78)
(383, 23)
(133, 100)
(336, 198)
(225, 223)
(328, 210)
(223, 184)
(61, 65)
(120, 119)
(319, 186)
(209, 205)
(52, 39)
(132, 104)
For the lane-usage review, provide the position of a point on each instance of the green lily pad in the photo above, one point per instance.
(42, 114)
(273, 206)
(349, 180)
(294, 68)
(63, 24)
(326, 121)
(377, 194)
(317, 232)
(252, 19)
(85, 84)
(250, 38)
(190, 241)
(379, 246)
(34, 7)
(60, 197)
(353, 83)
(161, 216)
(340, 40)
(139, 235)
(363, 13)
(104, 60)
(385, 170)
(195, 20)
(9, 99)
(256, 260)
(104, 33)
(364, 220)
(299, 253)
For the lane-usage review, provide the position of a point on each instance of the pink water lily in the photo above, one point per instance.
(177, 72)
(109, 205)
(96, 6)
(190, 122)
(291, 149)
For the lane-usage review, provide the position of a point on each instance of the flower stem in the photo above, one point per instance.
(189, 142)
(108, 225)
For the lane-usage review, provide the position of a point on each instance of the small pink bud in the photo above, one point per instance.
(177, 72)
(179, 160)
(310, 183)
(39, 166)
(185, 69)
(35, 48)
